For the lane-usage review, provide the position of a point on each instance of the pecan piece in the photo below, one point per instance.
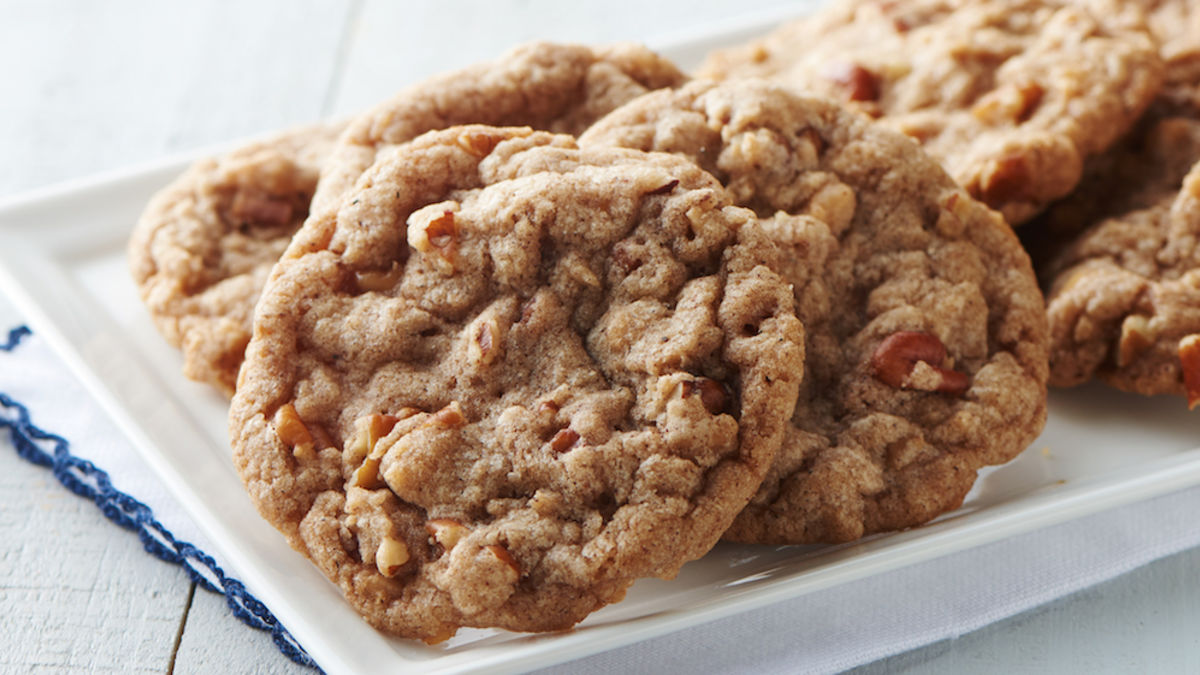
(449, 416)
(292, 432)
(380, 280)
(665, 187)
(478, 143)
(564, 440)
(897, 361)
(1136, 337)
(446, 531)
(362, 448)
(712, 393)
(433, 230)
(1005, 179)
(484, 345)
(858, 83)
(504, 556)
(1189, 359)
(391, 556)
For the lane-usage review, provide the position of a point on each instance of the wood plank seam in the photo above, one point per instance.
(187, 609)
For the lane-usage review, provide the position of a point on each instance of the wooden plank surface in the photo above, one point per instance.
(76, 593)
(95, 86)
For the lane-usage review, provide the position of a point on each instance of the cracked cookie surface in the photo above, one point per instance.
(205, 245)
(203, 248)
(926, 335)
(509, 376)
(1012, 96)
(1123, 296)
(553, 87)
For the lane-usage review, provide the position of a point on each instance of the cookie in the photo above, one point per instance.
(926, 344)
(552, 87)
(1123, 296)
(508, 377)
(1175, 24)
(1012, 96)
(205, 244)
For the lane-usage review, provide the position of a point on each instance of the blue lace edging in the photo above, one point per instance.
(84, 479)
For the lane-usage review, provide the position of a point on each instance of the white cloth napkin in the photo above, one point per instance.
(826, 631)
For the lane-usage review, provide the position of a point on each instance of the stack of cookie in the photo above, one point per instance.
(532, 330)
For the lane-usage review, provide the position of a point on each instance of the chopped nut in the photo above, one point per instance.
(1013, 102)
(564, 440)
(367, 476)
(527, 309)
(434, 230)
(440, 232)
(478, 143)
(391, 556)
(956, 210)
(896, 360)
(363, 447)
(1189, 359)
(1029, 96)
(665, 188)
(546, 502)
(292, 432)
(1004, 180)
(371, 428)
(858, 83)
(446, 531)
(368, 429)
(812, 138)
(504, 556)
(449, 416)
(484, 344)
(1136, 336)
(712, 393)
(380, 280)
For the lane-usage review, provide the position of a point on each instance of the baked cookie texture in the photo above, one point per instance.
(509, 376)
(1175, 24)
(203, 247)
(1117, 256)
(1123, 296)
(1011, 96)
(554, 87)
(926, 347)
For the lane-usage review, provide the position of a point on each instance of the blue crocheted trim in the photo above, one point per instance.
(84, 479)
(14, 337)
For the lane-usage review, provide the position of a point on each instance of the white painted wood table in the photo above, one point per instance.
(88, 87)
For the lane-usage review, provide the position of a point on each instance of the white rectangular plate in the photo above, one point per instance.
(62, 260)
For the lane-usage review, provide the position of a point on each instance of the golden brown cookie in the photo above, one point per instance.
(1012, 96)
(553, 87)
(1123, 296)
(926, 334)
(1176, 26)
(203, 247)
(206, 243)
(508, 377)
